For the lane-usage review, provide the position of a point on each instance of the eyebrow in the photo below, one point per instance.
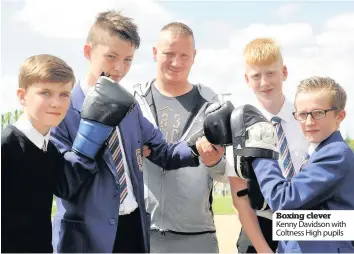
(49, 90)
(114, 53)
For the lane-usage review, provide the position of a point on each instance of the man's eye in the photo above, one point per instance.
(45, 93)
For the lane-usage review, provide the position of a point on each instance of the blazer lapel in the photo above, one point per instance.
(77, 97)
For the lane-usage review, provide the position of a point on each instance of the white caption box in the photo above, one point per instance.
(313, 225)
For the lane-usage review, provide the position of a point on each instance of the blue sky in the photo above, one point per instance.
(317, 38)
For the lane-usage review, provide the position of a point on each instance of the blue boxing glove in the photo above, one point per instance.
(103, 109)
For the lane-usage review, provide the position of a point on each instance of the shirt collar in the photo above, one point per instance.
(284, 114)
(85, 87)
(26, 127)
(312, 148)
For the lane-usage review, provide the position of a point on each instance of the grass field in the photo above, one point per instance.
(223, 205)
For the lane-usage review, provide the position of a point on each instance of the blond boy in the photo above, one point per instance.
(265, 73)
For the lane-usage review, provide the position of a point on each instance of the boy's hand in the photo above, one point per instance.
(146, 151)
(210, 154)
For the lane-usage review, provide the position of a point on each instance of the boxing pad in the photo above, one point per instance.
(252, 134)
(217, 123)
(253, 137)
(103, 109)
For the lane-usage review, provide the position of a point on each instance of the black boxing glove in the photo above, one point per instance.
(217, 123)
(103, 109)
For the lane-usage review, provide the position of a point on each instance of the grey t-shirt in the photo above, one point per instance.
(174, 112)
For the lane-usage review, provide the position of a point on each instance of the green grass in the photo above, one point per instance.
(223, 205)
(54, 208)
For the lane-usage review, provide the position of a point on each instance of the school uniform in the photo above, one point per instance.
(31, 172)
(325, 182)
(95, 220)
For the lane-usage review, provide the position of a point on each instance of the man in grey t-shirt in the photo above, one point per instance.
(180, 200)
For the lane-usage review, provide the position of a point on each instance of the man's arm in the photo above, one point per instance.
(73, 169)
(217, 171)
(167, 156)
(315, 183)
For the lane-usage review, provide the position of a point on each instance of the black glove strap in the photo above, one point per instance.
(257, 153)
(242, 193)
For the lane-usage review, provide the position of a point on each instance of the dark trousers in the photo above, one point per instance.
(244, 244)
(129, 237)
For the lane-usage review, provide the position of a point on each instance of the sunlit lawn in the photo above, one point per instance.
(221, 205)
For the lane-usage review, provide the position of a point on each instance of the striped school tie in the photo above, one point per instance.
(115, 148)
(285, 157)
(304, 160)
(44, 147)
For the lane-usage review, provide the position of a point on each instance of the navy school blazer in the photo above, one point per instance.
(87, 222)
(324, 183)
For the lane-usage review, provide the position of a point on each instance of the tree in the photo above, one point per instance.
(9, 118)
(350, 143)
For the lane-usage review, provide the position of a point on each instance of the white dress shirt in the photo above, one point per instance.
(25, 126)
(312, 148)
(129, 204)
(297, 143)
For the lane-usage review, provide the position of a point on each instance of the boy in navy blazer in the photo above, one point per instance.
(108, 213)
(325, 181)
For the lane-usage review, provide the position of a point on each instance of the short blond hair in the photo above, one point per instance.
(179, 29)
(44, 68)
(115, 24)
(338, 96)
(262, 51)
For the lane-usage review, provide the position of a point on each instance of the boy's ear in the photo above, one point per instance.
(246, 78)
(341, 115)
(154, 53)
(87, 51)
(21, 92)
(285, 72)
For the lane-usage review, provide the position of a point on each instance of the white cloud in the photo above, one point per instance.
(341, 22)
(72, 19)
(288, 35)
(286, 10)
(338, 34)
